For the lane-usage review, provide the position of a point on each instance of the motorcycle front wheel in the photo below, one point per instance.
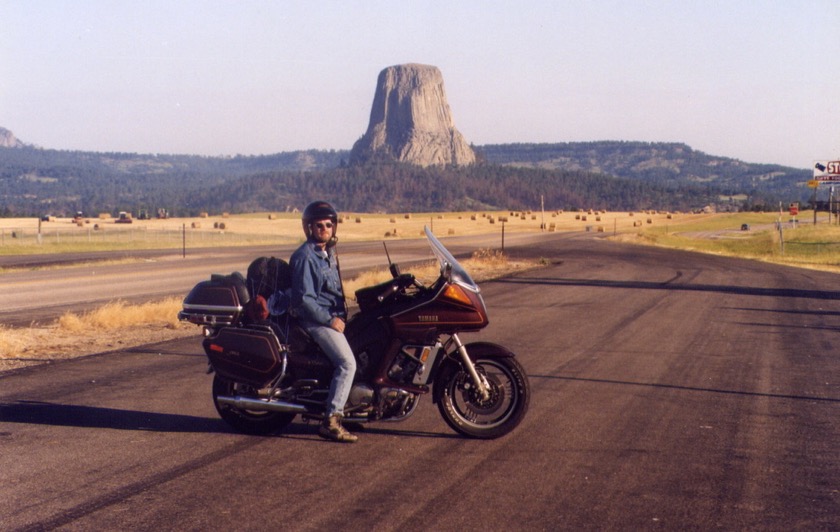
(247, 421)
(463, 408)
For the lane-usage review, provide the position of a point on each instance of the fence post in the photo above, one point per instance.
(503, 236)
(781, 238)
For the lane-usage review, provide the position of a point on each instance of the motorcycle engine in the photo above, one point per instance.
(397, 403)
(360, 395)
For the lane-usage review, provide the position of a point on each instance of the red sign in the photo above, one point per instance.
(794, 209)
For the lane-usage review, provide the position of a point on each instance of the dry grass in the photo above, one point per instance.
(804, 245)
(118, 315)
(116, 325)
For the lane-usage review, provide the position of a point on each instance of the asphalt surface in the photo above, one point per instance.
(669, 391)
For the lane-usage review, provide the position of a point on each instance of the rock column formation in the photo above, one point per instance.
(410, 121)
(8, 140)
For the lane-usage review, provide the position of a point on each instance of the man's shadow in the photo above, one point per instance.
(43, 413)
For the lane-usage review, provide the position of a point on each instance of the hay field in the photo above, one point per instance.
(63, 235)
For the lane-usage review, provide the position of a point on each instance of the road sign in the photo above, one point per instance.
(813, 183)
(827, 170)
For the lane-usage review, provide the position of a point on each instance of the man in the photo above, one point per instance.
(319, 306)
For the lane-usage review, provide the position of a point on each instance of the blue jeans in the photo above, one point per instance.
(335, 346)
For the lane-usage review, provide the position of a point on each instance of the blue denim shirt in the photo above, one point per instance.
(316, 287)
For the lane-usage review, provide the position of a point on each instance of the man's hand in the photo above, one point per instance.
(337, 324)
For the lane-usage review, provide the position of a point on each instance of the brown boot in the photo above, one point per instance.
(331, 429)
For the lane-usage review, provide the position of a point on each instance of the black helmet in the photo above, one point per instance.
(319, 210)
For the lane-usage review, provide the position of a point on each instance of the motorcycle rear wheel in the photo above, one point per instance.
(466, 412)
(248, 421)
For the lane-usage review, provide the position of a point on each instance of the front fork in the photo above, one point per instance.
(480, 382)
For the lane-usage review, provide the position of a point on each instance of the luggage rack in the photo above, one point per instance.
(210, 314)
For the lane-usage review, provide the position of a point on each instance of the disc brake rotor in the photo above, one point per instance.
(472, 396)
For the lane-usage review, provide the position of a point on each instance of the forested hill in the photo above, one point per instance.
(408, 188)
(608, 175)
(668, 164)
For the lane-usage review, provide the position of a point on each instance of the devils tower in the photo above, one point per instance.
(410, 121)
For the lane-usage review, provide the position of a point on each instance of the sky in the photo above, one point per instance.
(756, 80)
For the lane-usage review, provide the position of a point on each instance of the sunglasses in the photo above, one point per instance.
(323, 225)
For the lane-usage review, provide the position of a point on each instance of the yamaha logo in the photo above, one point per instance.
(427, 319)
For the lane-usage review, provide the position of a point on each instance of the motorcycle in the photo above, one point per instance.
(405, 337)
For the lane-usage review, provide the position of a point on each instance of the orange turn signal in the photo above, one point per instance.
(456, 293)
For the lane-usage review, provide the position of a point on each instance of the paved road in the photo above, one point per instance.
(670, 391)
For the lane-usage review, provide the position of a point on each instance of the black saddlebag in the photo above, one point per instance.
(219, 301)
(249, 355)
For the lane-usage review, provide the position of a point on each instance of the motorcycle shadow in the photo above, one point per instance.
(97, 417)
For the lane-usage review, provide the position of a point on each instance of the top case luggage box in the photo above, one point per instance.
(219, 301)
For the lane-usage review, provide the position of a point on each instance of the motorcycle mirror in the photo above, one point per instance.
(446, 271)
(395, 269)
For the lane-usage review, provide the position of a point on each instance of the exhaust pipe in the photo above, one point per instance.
(246, 403)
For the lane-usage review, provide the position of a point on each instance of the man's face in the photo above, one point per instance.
(322, 230)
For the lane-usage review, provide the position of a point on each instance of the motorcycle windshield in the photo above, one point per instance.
(458, 274)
